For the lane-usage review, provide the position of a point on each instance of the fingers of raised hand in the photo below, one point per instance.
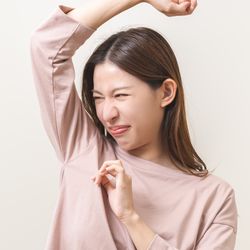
(189, 10)
(175, 7)
(193, 5)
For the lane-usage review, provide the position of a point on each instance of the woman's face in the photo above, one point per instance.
(134, 104)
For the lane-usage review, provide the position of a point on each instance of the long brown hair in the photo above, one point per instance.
(145, 54)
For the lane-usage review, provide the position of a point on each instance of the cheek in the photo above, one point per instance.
(144, 107)
(98, 112)
(130, 110)
(145, 115)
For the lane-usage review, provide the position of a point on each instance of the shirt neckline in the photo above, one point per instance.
(150, 166)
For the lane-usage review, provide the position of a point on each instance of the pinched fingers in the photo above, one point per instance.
(112, 167)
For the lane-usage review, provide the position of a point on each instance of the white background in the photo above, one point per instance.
(212, 47)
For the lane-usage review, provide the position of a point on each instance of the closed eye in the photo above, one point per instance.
(121, 95)
(118, 95)
(96, 97)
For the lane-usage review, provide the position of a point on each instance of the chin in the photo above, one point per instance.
(124, 145)
(127, 146)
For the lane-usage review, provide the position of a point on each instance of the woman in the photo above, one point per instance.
(129, 127)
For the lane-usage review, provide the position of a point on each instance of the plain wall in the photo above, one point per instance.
(212, 48)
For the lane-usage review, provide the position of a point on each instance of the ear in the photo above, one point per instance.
(168, 92)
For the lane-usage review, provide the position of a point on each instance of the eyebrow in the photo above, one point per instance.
(96, 91)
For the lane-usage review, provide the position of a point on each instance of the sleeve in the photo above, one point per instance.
(221, 234)
(68, 126)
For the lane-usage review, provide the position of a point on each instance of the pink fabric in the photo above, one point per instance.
(185, 212)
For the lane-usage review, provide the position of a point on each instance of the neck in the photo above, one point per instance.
(151, 153)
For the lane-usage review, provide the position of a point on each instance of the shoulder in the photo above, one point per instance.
(218, 184)
(214, 191)
(220, 200)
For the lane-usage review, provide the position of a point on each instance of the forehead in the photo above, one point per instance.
(108, 77)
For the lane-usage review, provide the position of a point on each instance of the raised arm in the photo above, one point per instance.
(53, 44)
(99, 11)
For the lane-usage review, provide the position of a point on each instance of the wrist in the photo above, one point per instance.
(131, 219)
(141, 234)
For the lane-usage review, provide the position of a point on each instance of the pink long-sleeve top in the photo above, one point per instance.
(185, 212)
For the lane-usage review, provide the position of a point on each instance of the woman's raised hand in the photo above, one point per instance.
(174, 7)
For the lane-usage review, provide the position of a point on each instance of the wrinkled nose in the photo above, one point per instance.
(109, 112)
